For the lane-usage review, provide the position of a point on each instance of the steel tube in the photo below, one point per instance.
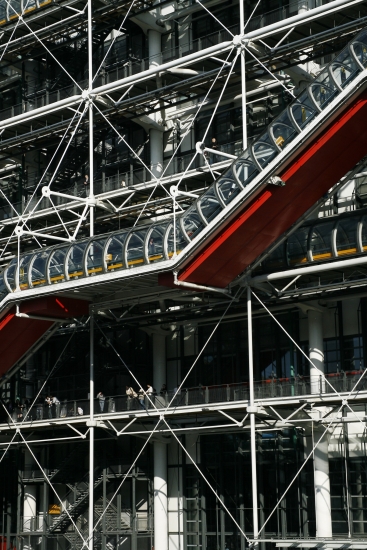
(91, 431)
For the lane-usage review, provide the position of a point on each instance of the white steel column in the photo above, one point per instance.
(251, 409)
(155, 135)
(160, 453)
(321, 460)
(316, 350)
(91, 424)
(243, 78)
(91, 141)
(29, 502)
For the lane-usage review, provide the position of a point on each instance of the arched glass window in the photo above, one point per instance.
(282, 130)
(37, 268)
(364, 234)
(114, 254)
(56, 265)
(359, 48)
(14, 8)
(264, 150)
(209, 205)
(192, 222)
(3, 288)
(10, 274)
(181, 242)
(135, 255)
(346, 236)
(320, 242)
(94, 256)
(324, 89)
(227, 189)
(344, 68)
(24, 263)
(303, 110)
(74, 261)
(245, 169)
(155, 244)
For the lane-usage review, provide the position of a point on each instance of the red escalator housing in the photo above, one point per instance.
(18, 335)
(319, 165)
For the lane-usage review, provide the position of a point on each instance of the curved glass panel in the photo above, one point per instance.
(135, 248)
(94, 256)
(344, 68)
(192, 223)
(74, 265)
(2, 13)
(264, 150)
(320, 242)
(14, 8)
(114, 255)
(359, 47)
(3, 288)
(297, 246)
(346, 236)
(29, 5)
(245, 169)
(181, 242)
(155, 244)
(227, 189)
(10, 274)
(23, 271)
(56, 265)
(209, 205)
(364, 234)
(38, 268)
(303, 110)
(324, 89)
(282, 130)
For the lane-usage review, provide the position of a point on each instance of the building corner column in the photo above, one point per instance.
(321, 458)
(160, 498)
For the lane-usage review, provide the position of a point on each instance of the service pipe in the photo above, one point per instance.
(290, 273)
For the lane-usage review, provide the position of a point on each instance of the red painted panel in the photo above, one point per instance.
(18, 334)
(318, 166)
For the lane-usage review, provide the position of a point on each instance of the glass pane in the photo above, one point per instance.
(192, 223)
(320, 242)
(156, 244)
(228, 189)
(56, 265)
(10, 273)
(303, 110)
(115, 252)
(3, 289)
(364, 234)
(95, 256)
(297, 246)
(346, 236)
(75, 266)
(181, 242)
(23, 271)
(360, 48)
(135, 248)
(245, 169)
(14, 8)
(344, 68)
(264, 150)
(209, 205)
(283, 130)
(38, 268)
(324, 90)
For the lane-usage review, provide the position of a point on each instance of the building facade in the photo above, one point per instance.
(218, 404)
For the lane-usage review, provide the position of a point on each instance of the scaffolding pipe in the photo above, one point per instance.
(251, 410)
(91, 144)
(243, 78)
(91, 431)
